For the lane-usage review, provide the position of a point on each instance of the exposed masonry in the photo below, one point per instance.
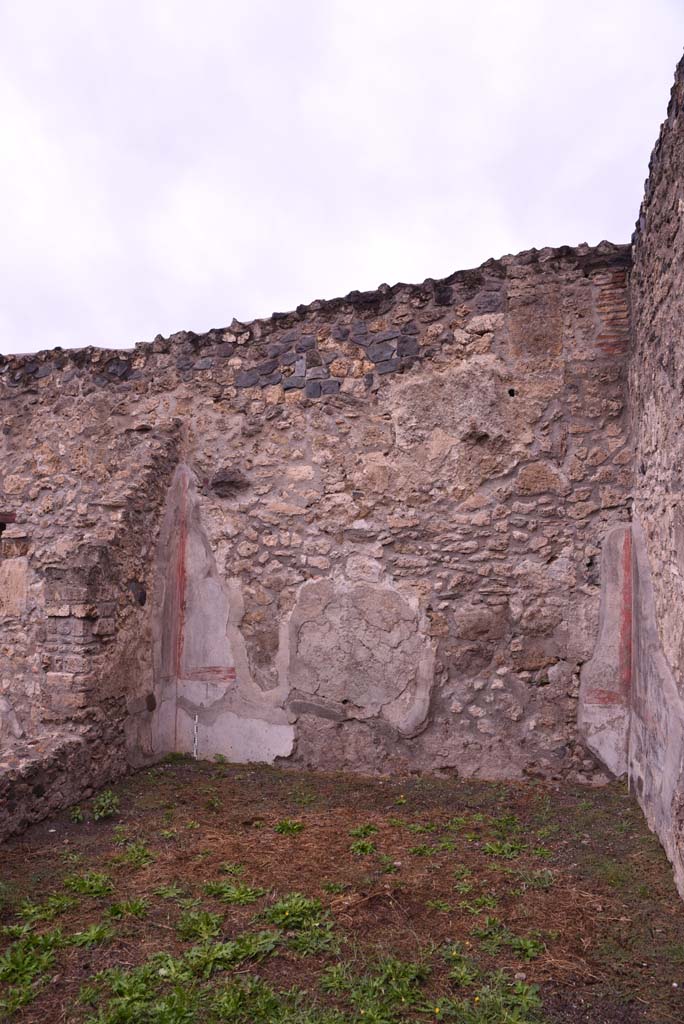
(390, 532)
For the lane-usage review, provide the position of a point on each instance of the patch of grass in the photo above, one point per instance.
(239, 894)
(388, 865)
(136, 855)
(423, 850)
(169, 892)
(542, 880)
(92, 936)
(390, 988)
(295, 911)
(441, 905)
(106, 805)
(494, 935)
(228, 868)
(252, 1001)
(24, 967)
(288, 827)
(498, 1001)
(334, 887)
(362, 847)
(76, 814)
(128, 908)
(363, 831)
(198, 924)
(213, 802)
(485, 902)
(504, 848)
(53, 906)
(92, 883)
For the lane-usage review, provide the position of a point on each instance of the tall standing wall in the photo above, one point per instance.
(363, 535)
(656, 745)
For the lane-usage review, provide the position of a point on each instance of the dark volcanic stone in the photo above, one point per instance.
(408, 347)
(313, 388)
(268, 367)
(271, 378)
(330, 387)
(389, 366)
(246, 378)
(379, 351)
(290, 383)
(306, 342)
(227, 481)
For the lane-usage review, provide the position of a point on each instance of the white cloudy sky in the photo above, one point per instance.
(169, 164)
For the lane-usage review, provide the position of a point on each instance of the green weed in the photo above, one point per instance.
(239, 894)
(198, 924)
(106, 805)
(92, 883)
(288, 827)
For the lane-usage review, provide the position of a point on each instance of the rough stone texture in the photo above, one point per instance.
(656, 748)
(364, 534)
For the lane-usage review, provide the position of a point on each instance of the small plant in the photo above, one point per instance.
(527, 948)
(316, 939)
(333, 888)
(106, 805)
(362, 847)
(192, 825)
(169, 892)
(419, 829)
(239, 894)
(136, 855)
(92, 883)
(198, 924)
(542, 880)
(295, 911)
(214, 802)
(55, 904)
(505, 849)
(388, 865)
(441, 905)
(500, 1000)
(93, 936)
(128, 908)
(463, 971)
(228, 868)
(288, 827)
(363, 831)
(480, 903)
(168, 833)
(423, 850)
(76, 814)
(493, 934)
(121, 834)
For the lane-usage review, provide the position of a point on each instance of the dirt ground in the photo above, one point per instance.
(420, 899)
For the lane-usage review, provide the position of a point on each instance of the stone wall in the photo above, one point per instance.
(362, 535)
(656, 742)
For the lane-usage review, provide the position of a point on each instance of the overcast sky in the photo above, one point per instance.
(170, 164)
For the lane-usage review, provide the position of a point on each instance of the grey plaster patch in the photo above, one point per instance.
(656, 739)
(605, 680)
